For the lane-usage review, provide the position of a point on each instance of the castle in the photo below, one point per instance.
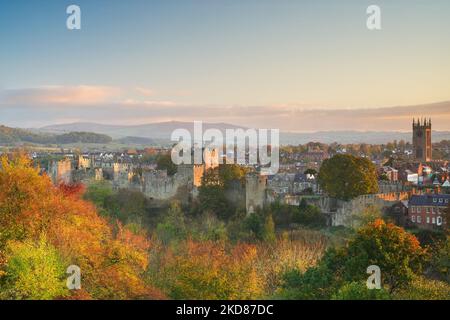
(124, 174)
(421, 138)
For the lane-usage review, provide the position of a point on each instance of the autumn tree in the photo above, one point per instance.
(112, 258)
(396, 252)
(231, 172)
(22, 191)
(34, 271)
(208, 270)
(346, 177)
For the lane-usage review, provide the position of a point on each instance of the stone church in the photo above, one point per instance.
(422, 148)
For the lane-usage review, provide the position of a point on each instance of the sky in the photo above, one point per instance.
(257, 63)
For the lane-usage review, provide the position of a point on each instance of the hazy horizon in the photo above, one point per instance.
(288, 119)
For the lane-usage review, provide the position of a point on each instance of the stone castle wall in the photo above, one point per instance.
(255, 192)
(343, 213)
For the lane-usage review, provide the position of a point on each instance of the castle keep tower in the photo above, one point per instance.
(422, 140)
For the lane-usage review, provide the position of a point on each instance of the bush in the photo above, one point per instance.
(422, 288)
(34, 271)
(208, 270)
(260, 226)
(173, 228)
(311, 216)
(396, 252)
(359, 291)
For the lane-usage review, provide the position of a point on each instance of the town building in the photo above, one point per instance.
(422, 148)
(428, 211)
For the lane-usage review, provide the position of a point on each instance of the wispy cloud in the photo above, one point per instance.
(50, 104)
(147, 92)
(149, 103)
(59, 95)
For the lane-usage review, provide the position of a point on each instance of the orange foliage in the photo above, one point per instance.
(112, 262)
(207, 270)
(390, 228)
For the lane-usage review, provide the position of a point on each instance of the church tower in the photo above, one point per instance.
(422, 140)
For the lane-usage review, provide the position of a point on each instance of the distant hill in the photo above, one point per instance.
(161, 131)
(137, 141)
(82, 137)
(16, 135)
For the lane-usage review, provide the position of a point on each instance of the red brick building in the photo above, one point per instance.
(427, 211)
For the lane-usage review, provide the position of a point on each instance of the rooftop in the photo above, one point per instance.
(441, 200)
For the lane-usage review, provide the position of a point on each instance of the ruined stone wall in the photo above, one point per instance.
(158, 185)
(343, 213)
(235, 193)
(255, 192)
(391, 186)
(61, 171)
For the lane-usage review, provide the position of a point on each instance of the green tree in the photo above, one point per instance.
(231, 172)
(260, 226)
(346, 177)
(164, 162)
(174, 226)
(268, 234)
(359, 291)
(211, 196)
(397, 253)
(254, 225)
(368, 215)
(33, 271)
(97, 193)
(208, 227)
(309, 215)
(128, 206)
(316, 283)
(283, 214)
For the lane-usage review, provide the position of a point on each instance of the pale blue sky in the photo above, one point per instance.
(287, 53)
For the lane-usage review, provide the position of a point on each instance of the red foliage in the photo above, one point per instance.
(73, 189)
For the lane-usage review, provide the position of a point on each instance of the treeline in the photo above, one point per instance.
(83, 137)
(14, 135)
(440, 149)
